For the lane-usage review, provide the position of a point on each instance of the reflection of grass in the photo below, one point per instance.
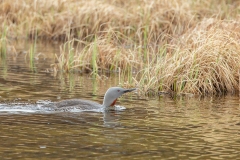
(4, 67)
(182, 47)
(32, 53)
(71, 79)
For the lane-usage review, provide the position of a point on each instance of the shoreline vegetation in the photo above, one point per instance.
(178, 46)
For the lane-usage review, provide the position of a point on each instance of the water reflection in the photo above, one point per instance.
(111, 118)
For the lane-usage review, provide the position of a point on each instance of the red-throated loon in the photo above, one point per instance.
(110, 99)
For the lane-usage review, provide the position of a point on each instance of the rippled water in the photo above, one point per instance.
(158, 128)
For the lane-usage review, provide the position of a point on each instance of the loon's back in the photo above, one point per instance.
(71, 104)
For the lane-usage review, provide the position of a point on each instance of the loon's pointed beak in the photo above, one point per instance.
(129, 90)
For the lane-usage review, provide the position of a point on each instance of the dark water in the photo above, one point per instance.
(158, 128)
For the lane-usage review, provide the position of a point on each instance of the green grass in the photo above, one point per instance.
(3, 42)
(94, 58)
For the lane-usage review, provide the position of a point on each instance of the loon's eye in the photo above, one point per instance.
(118, 90)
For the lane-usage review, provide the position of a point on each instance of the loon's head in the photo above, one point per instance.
(112, 94)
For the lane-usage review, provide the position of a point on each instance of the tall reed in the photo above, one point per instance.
(94, 58)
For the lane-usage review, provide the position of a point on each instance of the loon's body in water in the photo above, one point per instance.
(110, 99)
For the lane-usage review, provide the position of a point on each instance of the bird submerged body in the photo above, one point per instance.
(110, 99)
(73, 104)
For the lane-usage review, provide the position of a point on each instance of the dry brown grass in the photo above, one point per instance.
(62, 19)
(183, 46)
(204, 60)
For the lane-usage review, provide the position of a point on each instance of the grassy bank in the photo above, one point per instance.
(180, 46)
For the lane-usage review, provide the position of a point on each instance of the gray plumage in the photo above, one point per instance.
(110, 98)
